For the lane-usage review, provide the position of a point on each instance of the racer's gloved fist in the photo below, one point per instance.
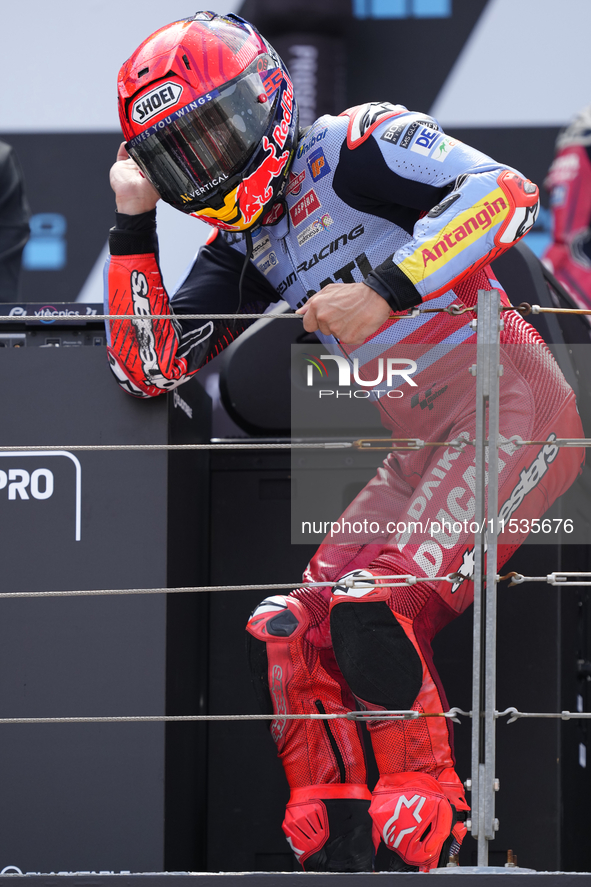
(133, 192)
(349, 311)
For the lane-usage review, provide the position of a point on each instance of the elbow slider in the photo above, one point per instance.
(523, 198)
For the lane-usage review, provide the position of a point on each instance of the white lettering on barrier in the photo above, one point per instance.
(40, 482)
(20, 480)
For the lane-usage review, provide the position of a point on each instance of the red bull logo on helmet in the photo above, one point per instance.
(256, 190)
(244, 205)
(281, 131)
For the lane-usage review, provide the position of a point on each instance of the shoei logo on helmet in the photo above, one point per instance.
(157, 100)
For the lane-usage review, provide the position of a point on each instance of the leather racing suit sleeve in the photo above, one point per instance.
(462, 208)
(149, 357)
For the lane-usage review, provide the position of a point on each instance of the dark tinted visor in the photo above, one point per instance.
(196, 148)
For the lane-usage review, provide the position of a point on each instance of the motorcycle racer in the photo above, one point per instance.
(352, 222)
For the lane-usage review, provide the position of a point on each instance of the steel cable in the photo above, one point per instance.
(349, 582)
(363, 444)
(453, 310)
(454, 714)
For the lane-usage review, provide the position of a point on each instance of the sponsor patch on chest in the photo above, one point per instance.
(304, 207)
(317, 164)
(268, 263)
(259, 247)
(294, 185)
(317, 226)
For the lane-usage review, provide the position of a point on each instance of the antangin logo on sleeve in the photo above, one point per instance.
(469, 227)
(444, 149)
(164, 96)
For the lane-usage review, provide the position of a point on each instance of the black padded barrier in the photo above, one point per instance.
(99, 796)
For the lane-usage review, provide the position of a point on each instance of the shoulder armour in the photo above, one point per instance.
(363, 119)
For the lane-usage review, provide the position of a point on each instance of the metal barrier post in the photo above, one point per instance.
(483, 780)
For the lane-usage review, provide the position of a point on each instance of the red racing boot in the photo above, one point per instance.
(415, 824)
(328, 828)
(327, 823)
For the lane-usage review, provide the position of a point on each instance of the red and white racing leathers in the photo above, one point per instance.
(422, 485)
(379, 194)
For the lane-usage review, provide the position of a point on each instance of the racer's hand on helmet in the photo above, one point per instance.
(349, 311)
(133, 192)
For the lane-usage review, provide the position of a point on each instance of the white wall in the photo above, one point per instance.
(527, 63)
(59, 58)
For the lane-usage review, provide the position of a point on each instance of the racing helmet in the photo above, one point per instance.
(209, 115)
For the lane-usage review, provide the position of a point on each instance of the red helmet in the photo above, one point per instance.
(208, 111)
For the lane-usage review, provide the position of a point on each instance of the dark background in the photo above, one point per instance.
(212, 799)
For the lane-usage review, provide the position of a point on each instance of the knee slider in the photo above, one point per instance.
(377, 659)
(329, 829)
(275, 623)
(278, 618)
(412, 818)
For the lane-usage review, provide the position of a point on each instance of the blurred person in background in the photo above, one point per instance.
(353, 222)
(569, 182)
(14, 223)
